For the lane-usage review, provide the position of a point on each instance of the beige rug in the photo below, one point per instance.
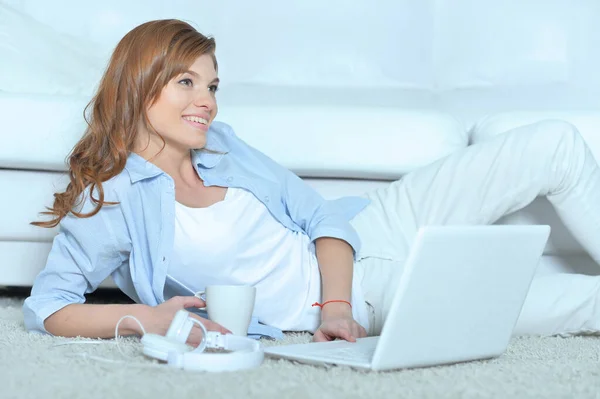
(30, 367)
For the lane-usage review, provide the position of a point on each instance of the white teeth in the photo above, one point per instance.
(196, 119)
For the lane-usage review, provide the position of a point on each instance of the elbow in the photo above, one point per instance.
(36, 321)
(52, 323)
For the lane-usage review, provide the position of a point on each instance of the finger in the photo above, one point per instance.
(358, 331)
(211, 325)
(320, 337)
(345, 334)
(221, 329)
(191, 302)
(205, 322)
(363, 332)
(195, 337)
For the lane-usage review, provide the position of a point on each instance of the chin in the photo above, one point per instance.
(198, 145)
(198, 141)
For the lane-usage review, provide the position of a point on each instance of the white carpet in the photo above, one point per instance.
(532, 368)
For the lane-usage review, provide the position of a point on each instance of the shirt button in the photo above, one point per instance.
(229, 179)
(267, 198)
(164, 259)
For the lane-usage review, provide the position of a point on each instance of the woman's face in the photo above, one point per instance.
(186, 107)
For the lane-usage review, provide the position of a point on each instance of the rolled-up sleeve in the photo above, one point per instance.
(83, 254)
(319, 217)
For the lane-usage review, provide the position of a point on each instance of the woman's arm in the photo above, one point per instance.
(83, 254)
(97, 321)
(335, 258)
(336, 264)
(334, 240)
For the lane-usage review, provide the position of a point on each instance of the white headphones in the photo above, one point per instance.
(172, 348)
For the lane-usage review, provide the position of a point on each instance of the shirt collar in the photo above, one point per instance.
(139, 168)
(215, 142)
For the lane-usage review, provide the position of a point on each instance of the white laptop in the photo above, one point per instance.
(458, 299)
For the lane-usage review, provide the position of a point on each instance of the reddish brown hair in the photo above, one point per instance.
(143, 62)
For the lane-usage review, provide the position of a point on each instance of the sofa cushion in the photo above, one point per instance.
(352, 142)
(359, 142)
(30, 193)
(41, 142)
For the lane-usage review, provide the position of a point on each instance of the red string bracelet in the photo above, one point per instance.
(325, 303)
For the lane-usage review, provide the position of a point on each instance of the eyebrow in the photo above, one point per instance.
(215, 80)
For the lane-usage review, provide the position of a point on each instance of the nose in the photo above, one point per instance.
(205, 99)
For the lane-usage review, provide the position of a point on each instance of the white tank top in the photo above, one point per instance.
(237, 241)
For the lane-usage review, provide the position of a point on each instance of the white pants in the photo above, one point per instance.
(479, 185)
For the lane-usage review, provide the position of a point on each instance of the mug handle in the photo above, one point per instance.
(201, 294)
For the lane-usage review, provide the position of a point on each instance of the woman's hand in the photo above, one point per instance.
(338, 323)
(160, 318)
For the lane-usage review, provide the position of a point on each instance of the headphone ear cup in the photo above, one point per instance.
(158, 347)
(246, 354)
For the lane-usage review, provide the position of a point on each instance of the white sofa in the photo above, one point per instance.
(400, 83)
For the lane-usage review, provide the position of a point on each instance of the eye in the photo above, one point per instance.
(213, 88)
(186, 82)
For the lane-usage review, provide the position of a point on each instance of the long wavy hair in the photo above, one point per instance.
(143, 62)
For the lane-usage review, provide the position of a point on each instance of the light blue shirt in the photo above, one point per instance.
(133, 241)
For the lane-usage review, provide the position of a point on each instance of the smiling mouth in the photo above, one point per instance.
(196, 119)
(196, 122)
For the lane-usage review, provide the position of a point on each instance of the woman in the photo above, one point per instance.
(158, 189)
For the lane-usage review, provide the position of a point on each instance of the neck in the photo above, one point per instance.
(176, 163)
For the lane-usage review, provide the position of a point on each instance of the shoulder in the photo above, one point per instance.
(118, 184)
(106, 227)
(114, 190)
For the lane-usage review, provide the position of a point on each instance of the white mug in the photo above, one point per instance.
(230, 306)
